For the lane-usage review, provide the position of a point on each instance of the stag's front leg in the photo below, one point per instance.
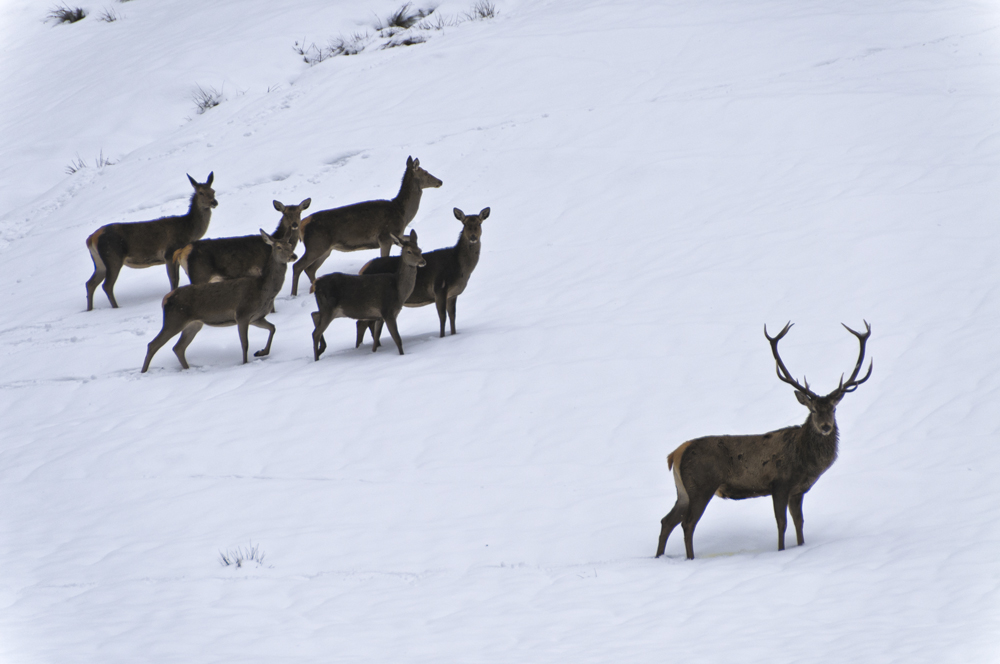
(795, 507)
(780, 497)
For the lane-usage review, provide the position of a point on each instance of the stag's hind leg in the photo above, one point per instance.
(690, 520)
(171, 327)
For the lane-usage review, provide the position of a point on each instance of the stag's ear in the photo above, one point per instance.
(395, 240)
(409, 162)
(191, 180)
(267, 238)
(803, 399)
(304, 204)
(485, 212)
(280, 207)
(211, 176)
(459, 214)
(413, 236)
(834, 400)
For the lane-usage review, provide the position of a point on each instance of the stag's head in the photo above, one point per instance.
(822, 408)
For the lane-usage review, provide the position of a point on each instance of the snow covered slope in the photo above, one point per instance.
(664, 178)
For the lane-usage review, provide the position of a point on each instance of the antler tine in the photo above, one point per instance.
(783, 374)
(852, 382)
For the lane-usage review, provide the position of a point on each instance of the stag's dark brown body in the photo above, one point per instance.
(783, 464)
(445, 276)
(235, 257)
(147, 243)
(367, 225)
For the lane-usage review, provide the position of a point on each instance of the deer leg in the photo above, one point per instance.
(376, 328)
(667, 525)
(384, 245)
(243, 327)
(95, 279)
(320, 323)
(451, 312)
(113, 263)
(169, 329)
(187, 336)
(310, 262)
(265, 324)
(795, 507)
(690, 520)
(441, 302)
(390, 322)
(173, 270)
(780, 497)
(362, 326)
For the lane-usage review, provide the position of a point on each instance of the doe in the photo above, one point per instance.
(146, 243)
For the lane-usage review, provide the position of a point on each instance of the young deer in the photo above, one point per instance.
(242, 302)
(444, 277)
(367, 297)
(367, 225)
(147, 243)
(783, 464)
(233, 257)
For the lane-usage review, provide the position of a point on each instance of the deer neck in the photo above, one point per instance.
(273, 276)
(817, 449)
(198, 218)
(406, 279)
(408, 198)
(467, 252)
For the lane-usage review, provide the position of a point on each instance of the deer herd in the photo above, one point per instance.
(234, 281)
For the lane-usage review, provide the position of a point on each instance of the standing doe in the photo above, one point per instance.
(367, 225)
(367, 297)
(242, 302)
(783, 464)
(444, 277)
(233, 257)
(146, 243)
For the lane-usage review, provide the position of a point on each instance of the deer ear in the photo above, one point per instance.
(278, 206)
(191, 180)
(413, 236)
(267, 238)
(395, 240)
(304, 204)
(459, 214)
(485, 212)
(211, 176)
(409, 162)
(803, 399)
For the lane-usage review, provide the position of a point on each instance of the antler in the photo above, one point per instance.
(783, 374)
(852, 383)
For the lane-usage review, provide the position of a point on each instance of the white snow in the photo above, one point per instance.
(664, 178)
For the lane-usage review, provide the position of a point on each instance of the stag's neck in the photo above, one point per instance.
(198, 218)
(408, 198)
(815, 449)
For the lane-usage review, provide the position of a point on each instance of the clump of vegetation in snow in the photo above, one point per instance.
(109, 16)
(241, 556)
(404, 27)
(79, 164)
(483, 10)
(206, 98)
(66, 14)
